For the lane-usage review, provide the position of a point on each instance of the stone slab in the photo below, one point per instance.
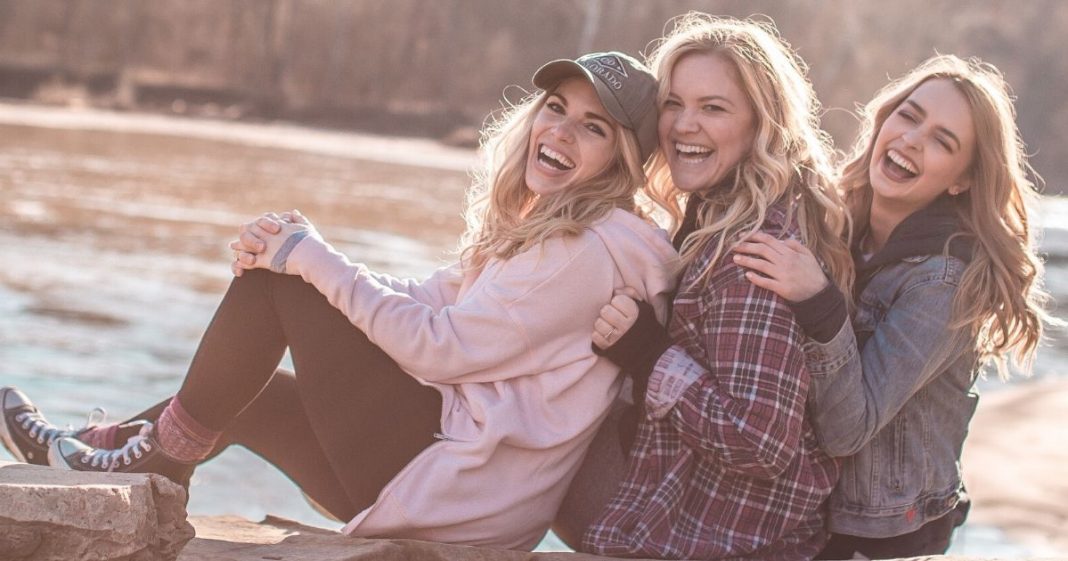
(53, 514)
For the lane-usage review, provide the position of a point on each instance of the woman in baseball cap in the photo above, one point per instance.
(453, 409)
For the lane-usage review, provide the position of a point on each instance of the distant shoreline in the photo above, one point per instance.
(418, 152)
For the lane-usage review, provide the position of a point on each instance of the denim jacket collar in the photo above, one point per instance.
(923, 233)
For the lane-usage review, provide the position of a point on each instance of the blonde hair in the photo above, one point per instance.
(1000, 296)
(790, 159)
(505, 218)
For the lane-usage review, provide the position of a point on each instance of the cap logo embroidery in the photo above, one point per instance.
(609, 68)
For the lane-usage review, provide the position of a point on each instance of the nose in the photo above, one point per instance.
(684, 121)
(565, 130)
(913, 138)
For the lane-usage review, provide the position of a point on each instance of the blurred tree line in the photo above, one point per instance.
(436, 67)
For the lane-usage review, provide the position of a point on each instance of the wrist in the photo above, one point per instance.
(822, 315)
(280, 261)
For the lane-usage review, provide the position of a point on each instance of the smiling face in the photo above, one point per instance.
(572, 139)
(923, 149)
(706, 122)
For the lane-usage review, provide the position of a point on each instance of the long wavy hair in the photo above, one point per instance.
(1000, 298)
(790, 160)
(505, 218)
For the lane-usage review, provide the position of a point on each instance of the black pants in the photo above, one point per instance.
(930, 539)
(340, 427)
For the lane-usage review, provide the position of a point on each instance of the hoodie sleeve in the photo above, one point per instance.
(521, 320)
(438, 290)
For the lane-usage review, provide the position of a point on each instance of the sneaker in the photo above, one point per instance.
(140, 454)
(26, 433)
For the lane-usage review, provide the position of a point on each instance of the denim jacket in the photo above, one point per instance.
(898, 407)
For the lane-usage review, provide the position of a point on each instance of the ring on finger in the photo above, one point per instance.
(610, 332)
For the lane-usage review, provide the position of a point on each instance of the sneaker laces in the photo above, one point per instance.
(45, 432)
(134, 448)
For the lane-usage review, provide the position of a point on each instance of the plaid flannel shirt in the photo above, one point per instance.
(734, 470)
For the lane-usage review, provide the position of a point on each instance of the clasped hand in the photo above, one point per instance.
(785, 267)
(259, 241)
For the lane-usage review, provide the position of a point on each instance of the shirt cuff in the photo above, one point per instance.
(825, 358)
(674, 373)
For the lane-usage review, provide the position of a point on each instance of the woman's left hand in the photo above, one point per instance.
(785, 267)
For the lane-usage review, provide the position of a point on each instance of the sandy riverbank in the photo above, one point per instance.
(1016, 461)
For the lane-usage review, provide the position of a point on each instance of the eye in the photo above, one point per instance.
(905, 114)
(596, 129)
(944, 144)
(555, 107)
(712, 108)
(671, 104)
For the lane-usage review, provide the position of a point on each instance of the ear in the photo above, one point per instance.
(962, 185)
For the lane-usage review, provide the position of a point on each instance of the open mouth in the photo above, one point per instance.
(898, 167)
(692, 153)
(554, 159)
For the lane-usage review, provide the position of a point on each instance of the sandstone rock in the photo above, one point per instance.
(230, 538)
(52, 514)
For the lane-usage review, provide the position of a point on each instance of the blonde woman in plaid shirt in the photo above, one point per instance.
(724, 463)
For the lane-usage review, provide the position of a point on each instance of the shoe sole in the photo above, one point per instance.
(5, 434)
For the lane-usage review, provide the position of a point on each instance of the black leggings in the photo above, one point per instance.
(341, 427)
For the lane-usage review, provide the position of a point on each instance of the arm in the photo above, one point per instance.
(910, 346)
(748, 409)
(438, 290)
(261, 242)
(639, 338)
(527, 316)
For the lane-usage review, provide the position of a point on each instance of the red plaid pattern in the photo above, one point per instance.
(734, 471)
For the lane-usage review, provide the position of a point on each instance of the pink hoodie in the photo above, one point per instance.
(509, 350)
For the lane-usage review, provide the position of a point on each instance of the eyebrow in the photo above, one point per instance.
(715, 98)
(923, 112)
(589, 114)
(706, 98)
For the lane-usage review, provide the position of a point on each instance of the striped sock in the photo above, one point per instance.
(183, 438)
(100, 436)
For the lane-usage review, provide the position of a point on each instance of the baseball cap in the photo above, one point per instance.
(627, 90)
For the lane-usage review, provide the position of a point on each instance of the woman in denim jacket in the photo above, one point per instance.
(947, 282)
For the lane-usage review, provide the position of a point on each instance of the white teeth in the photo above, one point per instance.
(692, 149)
(900, 160)
(556, 156)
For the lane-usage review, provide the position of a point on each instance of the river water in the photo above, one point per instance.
(113, 232)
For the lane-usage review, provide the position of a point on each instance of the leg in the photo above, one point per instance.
(370, 416)
(274, 426)
(596, 482)
(236, 358)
